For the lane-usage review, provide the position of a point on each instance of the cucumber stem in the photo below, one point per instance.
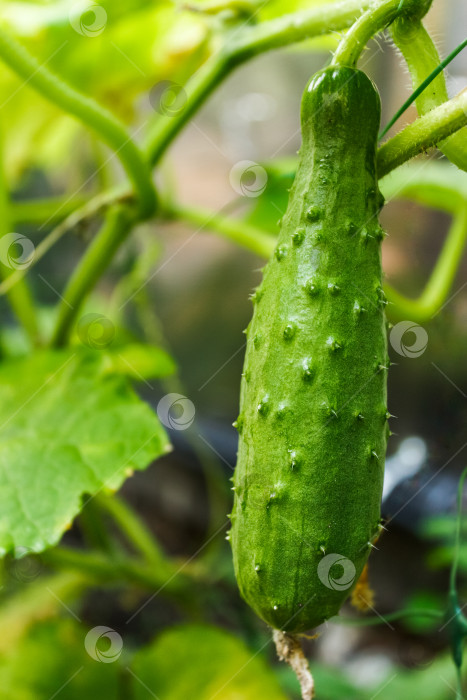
(374, 20)
(290, 650)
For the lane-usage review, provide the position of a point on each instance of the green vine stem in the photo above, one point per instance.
(109, 129)
(171, 581)
(241, 46)
(133, 528)
(433, 296)
(271, 34)
(94, 528)
(375, 19)
(390, 617)
(50, 209)
(421, 56)
(32, 214)
(423, 133)
(245, 235)
(117, 225)
(250, 42)
(19, 296)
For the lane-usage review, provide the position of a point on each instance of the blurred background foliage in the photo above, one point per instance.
(195, 305)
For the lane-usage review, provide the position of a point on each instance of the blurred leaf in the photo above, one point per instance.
(427, 601)
(437, 184)
(197, 661)
(140, 362)
(271, 204)
(331, 684)
(436, 681)
(441, 527)
(51, 661)
(115, 55)
(67, 427)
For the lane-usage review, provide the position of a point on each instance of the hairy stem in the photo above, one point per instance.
(423, 133)
(365, 28)
(375, 19)
(103, 122)
(421, 56)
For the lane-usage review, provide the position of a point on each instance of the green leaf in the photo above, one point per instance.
(139, 362)
(52, 661)
(268, 208)
(433, 682)
(435, 184)
(67, 427)
(197, 661)
(425, 600)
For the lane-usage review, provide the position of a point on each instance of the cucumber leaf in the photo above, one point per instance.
(68, 427)
(202, 662)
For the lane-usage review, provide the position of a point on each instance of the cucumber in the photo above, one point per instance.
(313, 420)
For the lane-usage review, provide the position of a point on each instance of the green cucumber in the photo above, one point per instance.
(313, 416)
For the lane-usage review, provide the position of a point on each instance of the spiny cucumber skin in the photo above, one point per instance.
(313, 417)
